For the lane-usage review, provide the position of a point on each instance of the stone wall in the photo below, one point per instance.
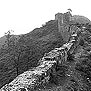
(41, 74)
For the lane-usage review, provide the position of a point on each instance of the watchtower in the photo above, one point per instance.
(63, 24)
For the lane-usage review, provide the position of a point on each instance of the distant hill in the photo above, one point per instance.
(81, 19)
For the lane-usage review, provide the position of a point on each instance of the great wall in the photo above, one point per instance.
(47, 64)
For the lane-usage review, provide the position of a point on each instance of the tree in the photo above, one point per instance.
(13, 50)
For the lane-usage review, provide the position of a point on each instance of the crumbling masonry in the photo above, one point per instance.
(41, 74)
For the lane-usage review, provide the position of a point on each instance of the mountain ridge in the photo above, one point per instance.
(39, 41)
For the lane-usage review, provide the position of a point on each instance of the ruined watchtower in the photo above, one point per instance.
(63, 24)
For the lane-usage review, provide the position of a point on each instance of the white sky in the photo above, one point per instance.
(23, 16)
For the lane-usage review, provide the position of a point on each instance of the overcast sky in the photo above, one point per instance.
(23, 16)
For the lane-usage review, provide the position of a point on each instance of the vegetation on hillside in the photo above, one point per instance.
(21, 53)
(75, 74)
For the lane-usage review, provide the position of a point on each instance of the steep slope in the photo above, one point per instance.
(70, 73)
(78, 72)
(38, 42)
(44, 39)
(42, 73)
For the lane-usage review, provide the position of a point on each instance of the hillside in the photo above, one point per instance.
(39, 41)
(34, 45)
(81, 19)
